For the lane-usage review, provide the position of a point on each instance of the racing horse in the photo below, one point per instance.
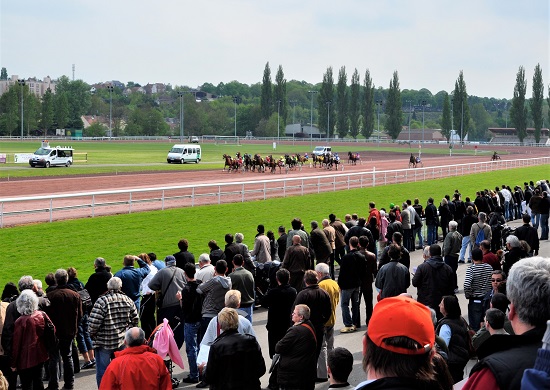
(273, 164)
(318, 159)
(233, 164)
(290, 162)
(353, 158)
(301, 159)
(247, 162)
(495, 157)
(332, 161)
(412, 161)
(259, 163)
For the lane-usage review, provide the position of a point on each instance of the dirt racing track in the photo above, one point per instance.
(202, 186)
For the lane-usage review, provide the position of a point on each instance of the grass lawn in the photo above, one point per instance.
(139, 156)
(42, 248)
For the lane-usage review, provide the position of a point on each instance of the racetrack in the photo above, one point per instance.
(119, 204)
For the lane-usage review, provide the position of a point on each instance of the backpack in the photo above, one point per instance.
(480, 235)
(86, 300)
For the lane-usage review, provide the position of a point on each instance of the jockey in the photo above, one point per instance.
(336, 156)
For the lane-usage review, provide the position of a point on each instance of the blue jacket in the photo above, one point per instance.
(132, 277)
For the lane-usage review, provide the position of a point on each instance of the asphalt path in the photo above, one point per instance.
(85, 380)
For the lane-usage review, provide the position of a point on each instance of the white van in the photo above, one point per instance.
(47, 156)
(322, 150)
(182, 153)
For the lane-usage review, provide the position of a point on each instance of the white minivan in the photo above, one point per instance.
(47, 156)
(322, 150)
(182, 153)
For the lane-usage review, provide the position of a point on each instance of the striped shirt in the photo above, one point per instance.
(477, 281)
(112, 314)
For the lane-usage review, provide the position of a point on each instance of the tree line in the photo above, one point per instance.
(354, 109)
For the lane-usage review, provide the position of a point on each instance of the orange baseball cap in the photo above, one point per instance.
(402, 316)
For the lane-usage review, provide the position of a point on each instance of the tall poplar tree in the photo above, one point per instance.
(279, 94)
(325, 104)
(446, 124)
(354, 113)
(342, 103)
(266, 102)
(536, 101)
(518, 112)
(394, 110)
(461, 110)
(368, 107)
(46, 118)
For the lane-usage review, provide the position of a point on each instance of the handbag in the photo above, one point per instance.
(48, 337)
(160, 296)
(274, 362)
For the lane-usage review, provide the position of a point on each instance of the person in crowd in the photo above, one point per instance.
(544, 213)
(405, 256)
(502, 361)
(113, 313)
(191, 307)
(352, 271)
(297, 349)
(235, 360)
(538, 378)
(445, 216)
(206, 269)
(488, 256)
(330, 233)
(407, 223)
(132, 277)
(147, 307)
(137, 366)
(231, 249)
(248, 264)
(243, 280)
(281, 242)
(297, 261)
(262, 247)
(168, 281)
(320, 244)
(29, 349)
(183, 256)
(451, 246)
(65, 311)
(278, 301)
(319, 303)
(340, 244)
(333, 290)
(215, 252)
(394, 226)
(340, 365)
(213, 292)
(514, 254)
(97, 282)
(465, 228)
(382, 241)
(500, 302)
(393, 278)
(432, 221)
(433, 280)
(367, 274)
(297, 231)
(477, 283)
(454, 331)
(475, 235)
(494, 322)
(398, 346)
(498, 285)
(156, 262)
(273, 246)
(529, 234)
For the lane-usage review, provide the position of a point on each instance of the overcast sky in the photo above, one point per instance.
(183, 42)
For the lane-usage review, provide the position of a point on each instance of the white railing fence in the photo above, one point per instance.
(47, 208)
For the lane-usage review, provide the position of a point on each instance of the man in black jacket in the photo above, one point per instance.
(349, 281)
(183, 256)
(97, 282)
(529, 234)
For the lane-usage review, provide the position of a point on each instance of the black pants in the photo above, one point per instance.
(147, 310)
(366, 292)
(31, 378)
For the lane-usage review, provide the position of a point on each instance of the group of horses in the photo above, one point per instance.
(256, 163)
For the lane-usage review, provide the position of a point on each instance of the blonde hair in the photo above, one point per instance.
(228, 319)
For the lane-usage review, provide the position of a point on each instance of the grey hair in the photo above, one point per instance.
(527, 289)
(204, 258)
(25, 283)
(434, 315)
(482, 217)
(314, 224)
(233, 299)
(453, 225)
(37, 283)
(134, 337)
(239, 237)
(61, 277)
(304, 311)
(513, 241)
(426, 251)
(325, 222)
(323, 269)
(444, 201)
(99, 262)
(115, 283)
(27, 302)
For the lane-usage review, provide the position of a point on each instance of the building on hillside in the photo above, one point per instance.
(430, 135)
(35, 86)
(299, 131)
(510, 135)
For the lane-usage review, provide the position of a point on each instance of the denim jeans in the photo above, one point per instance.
(417, 231)
(102, 360)
(83, 339)
(535, 220)
(248, 311)
(191, 331)
(432, 234)
(507, 210)
(475, 313)
(64, 353)
(326, 347)
(543, 226)
(466, 243)
(346, 296)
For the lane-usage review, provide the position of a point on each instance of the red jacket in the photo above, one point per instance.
(136, 368)
(28, 348)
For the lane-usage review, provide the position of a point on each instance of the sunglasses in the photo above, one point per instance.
(496, 280)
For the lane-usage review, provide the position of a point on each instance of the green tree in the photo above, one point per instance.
(47, 115)
(266, 102)
(354, 112)
(342, 103)
(95, 130)
(325, 100)
(3, 74)
(518, 112)
(78, 98)
(461, 110)
(368, 107)
(446, 124)
(536, 101)
(481, 121)
(61, 109)
(280, 98)
(394, 108)
(9, 112)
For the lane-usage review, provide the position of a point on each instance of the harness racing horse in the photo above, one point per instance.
(301, 160)
(228, 162)
(332, 161)
(259, 163)
(290, 162)
(353, 158)
(412, 161)
(495, 157)
(318, 159)
(248, 163)
(272, 164)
